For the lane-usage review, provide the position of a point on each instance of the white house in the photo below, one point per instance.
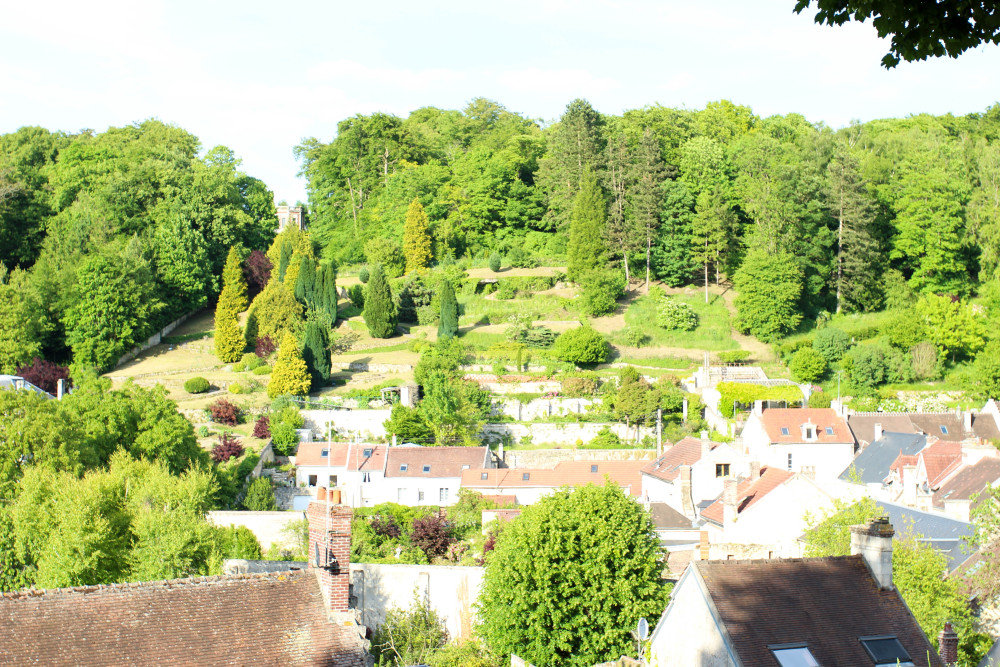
(799, 439)
(528, 485)
(354, 469)
(691, 472)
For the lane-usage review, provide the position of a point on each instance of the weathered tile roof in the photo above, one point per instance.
(940, 460)
(968, 482)
(443, 461)
(872, 465)
(774, 419)
(565, 473)
(863, 425)
(342, 455)
(667, 467)
(825, 603)
(749, 492)
(253, 619)
(666, 517)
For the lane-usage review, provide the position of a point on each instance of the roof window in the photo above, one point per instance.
(484, 475)
(325, 453)
(526, 476)
(944, 430)
(593, 468)
(784, 430)
(403, 467)
(829, 430)
(794, 656)
(886, 650)
(466, 467)
(367, 452)
(427, 468)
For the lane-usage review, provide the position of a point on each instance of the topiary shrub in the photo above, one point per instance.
(227, 448)
(224, 412)
(582, 345)
(832, 343)
(262, 370)
(356, 293)
(676, 315)
(495, 262)
(363, 274)
(196, 385)
(807, 365)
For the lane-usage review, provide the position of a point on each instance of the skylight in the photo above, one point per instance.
(526, 476)
(427, 468)
(403, 467)
(784, 430)
(886, 650)
(794, 656)
(593, 468)
(484, 475)
(325, 453)
(829, 430)
(944, 430)
(368, 452)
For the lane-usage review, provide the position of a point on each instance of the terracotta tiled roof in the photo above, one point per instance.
(255, 619)
(442, 461)
(749, 492)
(904, 460)
(792, 419)
(501, 500)
(342, 455)
(940, 460)
(968, 482)
(825, 603)
(668, 467)
(565, 473)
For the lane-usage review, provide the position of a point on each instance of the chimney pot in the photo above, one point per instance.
(873, 541)
(967, 421)
(728, 501)
(60, 388)
(948, 643)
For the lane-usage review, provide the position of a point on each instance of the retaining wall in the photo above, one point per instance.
(540, 408)
(152, 340)
(268, 527)
(347, 422)
(563, 434)
(548, 458)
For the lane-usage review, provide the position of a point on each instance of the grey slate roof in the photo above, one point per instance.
(943, 533)
(872, 464)
(17, 382)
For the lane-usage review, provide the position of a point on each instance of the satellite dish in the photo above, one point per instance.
(643, 630)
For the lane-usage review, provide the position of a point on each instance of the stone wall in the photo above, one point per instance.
(152, 340)
(268, 527)
(347, 422)
(541, 408)
(450, 590)
(548, 458)
(369, 367)
(562, 434)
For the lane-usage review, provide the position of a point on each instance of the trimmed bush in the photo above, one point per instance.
(676, 315)
(260, 496)
(237, 388)
(363, 274)
(380, 312)
(633, 337)
(227, 448)
(601, 291)
(262, 370)
(196, 385)
(807, 365)
(732, 356)
(582, 345)
(521, 258)
(291, 375)
(745, 394)
(262, 427)
(356, 293)
(495, 261)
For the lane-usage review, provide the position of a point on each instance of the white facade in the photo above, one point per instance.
(826, 459)
(688, 633)
(707, 475)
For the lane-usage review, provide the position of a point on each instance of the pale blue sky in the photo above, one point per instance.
(260, 76)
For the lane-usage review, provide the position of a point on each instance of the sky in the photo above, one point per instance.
(261, 76)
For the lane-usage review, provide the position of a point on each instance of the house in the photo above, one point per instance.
(691, 472)
(840, 610)
(289, 216)
(528, 485)
(18, 383)
(799, 439)
(955, 497)
(958, 426)
(352, 468)
(292, 617)
(872, 466)
(679, 537)
(763, 516)
(915, 477)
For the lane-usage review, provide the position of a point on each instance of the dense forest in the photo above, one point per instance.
(853, 216)
(106, 237)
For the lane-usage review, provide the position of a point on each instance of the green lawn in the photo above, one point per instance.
(711, 334)
(477, 308)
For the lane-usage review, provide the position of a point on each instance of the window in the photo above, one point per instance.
(789, 460)
(443, 495)
(312, 480)
(403, 467)
(333, 481)
(466, 467)
(794, 656)
(484, 475)
(593, 468)
(829, 430)
(399, 496)
(325, 453)
(526, 476)
(722, 470)
(420, 496)
(784, 430)
(944, 430)
(809, 433)
(427, 468)
(886, 650)
(367, 452)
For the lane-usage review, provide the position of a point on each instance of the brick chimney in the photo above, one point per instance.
(948, 643)
(333, 548)
(754, 471)
(967, 421)
(728, 501)
(687, 503)
(878, 433)
(873, 542)
(706, 445)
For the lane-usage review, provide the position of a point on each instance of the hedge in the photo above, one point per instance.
(746, 394)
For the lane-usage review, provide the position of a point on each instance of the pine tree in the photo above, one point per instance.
(620, 230)
(416, 238)
(380, 310)
(316, 356)
(229, 340)
(576, 145)
(586, 249)
(290, 376)
(232, 278)
(711, 230)
(448, 327)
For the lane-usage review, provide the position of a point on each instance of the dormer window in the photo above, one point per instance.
(794, 656)
(886, 650)
(367, 452)
(808, 432)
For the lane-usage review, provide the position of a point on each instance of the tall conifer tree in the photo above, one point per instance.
(290, 376)
(380, 312)
(586, 249)
(232, 278)
(646, 197)
(316, 355)
(448, 327)
(416, 238)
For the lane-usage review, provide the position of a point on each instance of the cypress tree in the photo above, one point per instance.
(329, 288)
(448, 327)
(232, 279)
(290, 375)
(316, 356)
(380, 312)
(229, 340)
(416, 238)
(284, 257)
(586, 249)
(305, 282)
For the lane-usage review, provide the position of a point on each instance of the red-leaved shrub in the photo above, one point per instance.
(385, 526)
(44, 374)
(224, 412)
(432, 535)
(262, 427)
(257, 271)
(227, 448)
(265, 347)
